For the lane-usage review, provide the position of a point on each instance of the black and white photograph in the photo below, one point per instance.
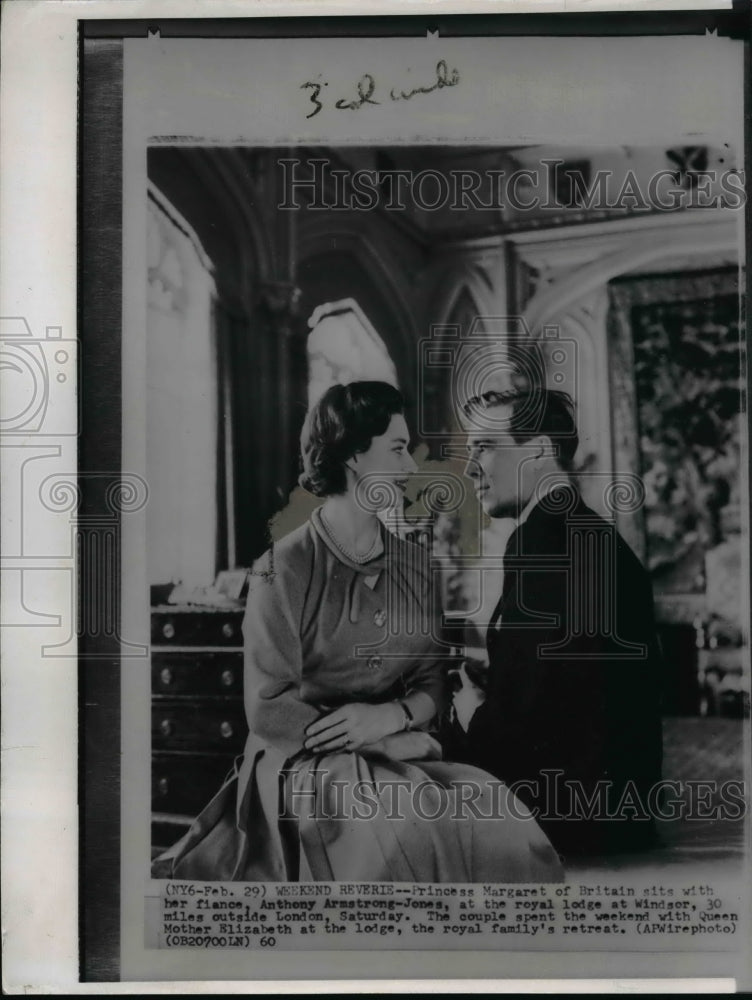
(463, 421)
(286, 434)
(410, 534)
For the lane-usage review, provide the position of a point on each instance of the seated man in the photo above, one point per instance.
(570, 714)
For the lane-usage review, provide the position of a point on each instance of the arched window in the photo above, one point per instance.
(181, 401)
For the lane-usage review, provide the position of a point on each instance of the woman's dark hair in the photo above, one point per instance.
(342, 424)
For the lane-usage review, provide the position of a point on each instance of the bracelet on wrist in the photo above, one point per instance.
(409, 718)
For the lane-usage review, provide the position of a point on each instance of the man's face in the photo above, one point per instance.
(496, 465)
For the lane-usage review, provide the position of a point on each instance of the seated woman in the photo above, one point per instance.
(343, 674)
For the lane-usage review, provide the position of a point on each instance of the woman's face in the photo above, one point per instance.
(387, 464)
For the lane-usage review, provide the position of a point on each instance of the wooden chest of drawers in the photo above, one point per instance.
(198, 720)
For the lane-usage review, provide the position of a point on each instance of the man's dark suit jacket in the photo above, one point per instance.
(574, 680)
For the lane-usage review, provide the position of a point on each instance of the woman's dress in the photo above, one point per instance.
(321, 631)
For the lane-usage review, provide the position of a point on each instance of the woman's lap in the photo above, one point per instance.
(362, 817)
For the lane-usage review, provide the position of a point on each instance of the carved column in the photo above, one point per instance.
(577, 362)
(280, 299)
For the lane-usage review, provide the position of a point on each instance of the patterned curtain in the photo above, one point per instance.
(677, 364)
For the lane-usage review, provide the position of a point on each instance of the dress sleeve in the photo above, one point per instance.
(428, 676)
(273, 658)
(430, 672)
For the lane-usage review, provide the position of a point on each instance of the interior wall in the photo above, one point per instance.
(273, 268)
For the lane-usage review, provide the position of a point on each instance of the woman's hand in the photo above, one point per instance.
(353, 726)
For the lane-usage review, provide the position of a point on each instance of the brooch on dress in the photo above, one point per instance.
(379, 618)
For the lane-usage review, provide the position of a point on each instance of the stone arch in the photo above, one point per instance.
(641, 247)
(452, 283)
(216, 191)
(335, 263)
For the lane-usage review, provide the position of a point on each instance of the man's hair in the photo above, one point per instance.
(535, 411)
(342, 424)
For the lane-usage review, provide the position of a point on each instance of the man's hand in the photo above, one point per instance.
(352, 727)
(467, 700)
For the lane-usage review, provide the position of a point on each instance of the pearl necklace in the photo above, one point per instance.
(352, 556)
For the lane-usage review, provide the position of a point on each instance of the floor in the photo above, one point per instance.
(695, 749)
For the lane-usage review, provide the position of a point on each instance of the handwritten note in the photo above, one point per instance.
(365, 90)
